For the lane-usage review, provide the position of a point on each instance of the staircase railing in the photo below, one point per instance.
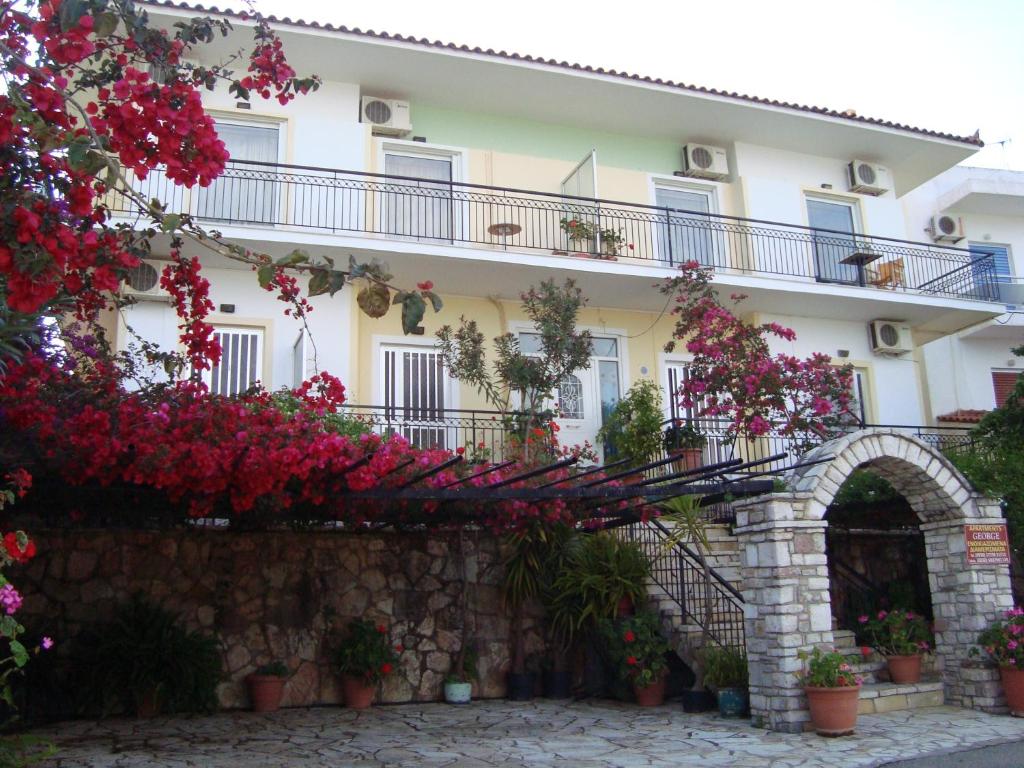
(677, 570)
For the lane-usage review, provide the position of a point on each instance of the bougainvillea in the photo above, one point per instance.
(735, 377)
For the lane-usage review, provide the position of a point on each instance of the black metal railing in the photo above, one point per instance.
(439, 212)
(480, 434)
(712, 605)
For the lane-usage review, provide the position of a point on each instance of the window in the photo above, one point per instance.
(1003, 383)
(420, 205)
(830, 221)
(246, 191)
(241, 360)
(988, 270)
(684, 233)
(417, 391)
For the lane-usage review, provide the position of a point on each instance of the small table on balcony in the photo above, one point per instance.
(860, 258)
(504, 231)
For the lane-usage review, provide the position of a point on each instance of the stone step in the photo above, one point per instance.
(844, 638)
(877, 698)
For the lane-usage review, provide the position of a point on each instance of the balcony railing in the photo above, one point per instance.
(437, 212)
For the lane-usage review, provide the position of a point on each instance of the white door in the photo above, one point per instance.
(578, 406)
(417, 393)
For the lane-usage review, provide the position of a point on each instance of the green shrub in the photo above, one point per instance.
(144, 653)
(725, 667)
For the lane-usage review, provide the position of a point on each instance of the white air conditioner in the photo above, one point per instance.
(387, 116)
(143, 283)
(868, 178)
(888, 337)
(949, 229)
(704, 162)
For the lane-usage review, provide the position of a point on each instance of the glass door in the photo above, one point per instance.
(685, 235)
(244, 193)
(419, 208)
(831, 247)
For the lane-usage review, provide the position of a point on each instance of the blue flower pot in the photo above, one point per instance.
(733, 702)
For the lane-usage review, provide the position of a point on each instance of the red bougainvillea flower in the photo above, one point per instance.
(385, 668)
(426, 285)
(382, 629)
(399, 648)
(629, 637)
(21, 551)
(631, 661)
(865, 651)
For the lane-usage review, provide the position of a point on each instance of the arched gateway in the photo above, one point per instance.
(785, 580)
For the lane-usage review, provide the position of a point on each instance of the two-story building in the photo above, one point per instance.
(465, 167)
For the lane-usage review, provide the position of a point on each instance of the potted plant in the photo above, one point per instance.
(521, 584)
(458, 684)
(686, 443)
(726, 673)
(560, 615)
(612, 242)
(637, 650)
(266, 685)
(364, 658)
(579, 232)
(143, 661)
(833, 691)
(632, 428)
(902, 637)
(1003, 642)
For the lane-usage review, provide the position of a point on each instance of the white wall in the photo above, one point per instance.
(254, 307)
(892, 382)
(960, 372)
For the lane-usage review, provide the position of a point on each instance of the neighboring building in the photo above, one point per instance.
(972, 371)
(456, 166)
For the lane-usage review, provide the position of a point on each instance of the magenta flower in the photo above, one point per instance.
(47, 643)
(862, 619)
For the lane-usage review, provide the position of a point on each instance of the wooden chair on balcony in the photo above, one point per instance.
(888, 274)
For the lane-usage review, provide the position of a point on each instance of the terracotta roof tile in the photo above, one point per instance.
(963, 416)
(974, 140)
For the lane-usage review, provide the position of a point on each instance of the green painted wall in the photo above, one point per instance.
(526, 137)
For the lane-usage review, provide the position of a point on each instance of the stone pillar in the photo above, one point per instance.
(785, 585)
(965, 600)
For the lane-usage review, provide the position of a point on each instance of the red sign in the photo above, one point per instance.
(987, 544)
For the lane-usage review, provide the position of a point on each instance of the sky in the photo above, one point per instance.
(955, 66)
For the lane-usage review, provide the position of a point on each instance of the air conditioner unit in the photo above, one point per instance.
(387, 116)
(143, 283)
(868, 178)
(888, 337)
(704, 162)
(949, 229)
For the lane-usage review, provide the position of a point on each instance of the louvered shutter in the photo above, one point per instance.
(241, 361)
(1003, 383)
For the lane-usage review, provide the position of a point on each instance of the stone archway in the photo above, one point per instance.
(784, 570)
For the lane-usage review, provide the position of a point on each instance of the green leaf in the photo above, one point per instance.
(104, 24)
(265, 275)
(70, 13)
(78, 151)
(319, 283)
(337, 280)
(170, 222)
(298, 256)
(399, 297)
(19, 653)
(413, 309)
(435, 300)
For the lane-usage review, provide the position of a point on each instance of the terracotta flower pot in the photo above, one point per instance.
(688, 458)
(652, 695)
(833, 710)
(265, 692)
(1013, 687)
(357, 692)
(904, 669)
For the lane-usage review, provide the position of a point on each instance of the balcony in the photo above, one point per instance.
(404, 209)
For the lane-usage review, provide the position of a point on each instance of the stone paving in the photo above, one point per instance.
(500, 733)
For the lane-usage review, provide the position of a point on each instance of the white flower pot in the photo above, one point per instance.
(458, 693)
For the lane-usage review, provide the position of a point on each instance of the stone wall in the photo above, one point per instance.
(284, 596)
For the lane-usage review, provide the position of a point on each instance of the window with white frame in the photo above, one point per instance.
(246, 191)
(418, 194)
(833, 222)
(685, 231)
(241, 360)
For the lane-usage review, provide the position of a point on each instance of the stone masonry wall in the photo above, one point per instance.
(284, 596)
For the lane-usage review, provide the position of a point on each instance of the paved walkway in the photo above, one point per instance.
(499, 733)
